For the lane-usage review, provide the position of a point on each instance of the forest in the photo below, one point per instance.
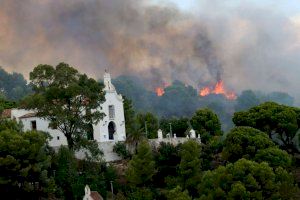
(249, 147)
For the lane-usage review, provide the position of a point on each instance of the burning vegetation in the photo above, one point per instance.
(160, 91)
(218, 88)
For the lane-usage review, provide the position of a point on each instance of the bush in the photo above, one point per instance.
(121, 150)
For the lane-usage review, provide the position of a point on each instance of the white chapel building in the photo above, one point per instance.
(110, 129)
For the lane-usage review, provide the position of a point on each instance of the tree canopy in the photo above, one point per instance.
(24, 164)
(67, 99)
(190, 165)
(280, 122)
(142, 166)
(206, 123)
(179, 126)
(13, 86)
(246, 179)
(246, 100)
(148, 123)
(244, 142)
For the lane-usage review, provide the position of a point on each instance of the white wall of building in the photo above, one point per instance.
(101, 133)
(57, 137)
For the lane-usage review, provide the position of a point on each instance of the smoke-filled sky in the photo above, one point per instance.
(248, 44)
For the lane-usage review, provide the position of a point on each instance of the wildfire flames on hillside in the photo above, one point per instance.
(160, 91)
(218, 88)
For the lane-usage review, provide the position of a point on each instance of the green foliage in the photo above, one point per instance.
(210, 153)
(206, 123)
(244, 142)
(96, 175)
(72, 175)
(129, 115)
(280, 97)
(65, 97)
(274, 156)
(121, 150)
(134, 137)
(142, 166)
(11, 125)
(166, 158)
(246, 100)
(141, 193)
(66, 176)
(149, 120)
(14, 87)
(6, 104)
(24, 165)
(190, 165)
(276, 120)
(247, 180)
(133, 88)
(178, 125)
(178, 194)
(178, 100)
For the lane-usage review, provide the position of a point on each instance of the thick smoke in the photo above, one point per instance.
(248, 47)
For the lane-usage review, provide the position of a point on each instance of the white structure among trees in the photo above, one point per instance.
(109, 129)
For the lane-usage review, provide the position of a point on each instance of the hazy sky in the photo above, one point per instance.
(250, 44)
(287, 7)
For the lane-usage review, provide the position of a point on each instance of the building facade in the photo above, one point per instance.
(110, 129)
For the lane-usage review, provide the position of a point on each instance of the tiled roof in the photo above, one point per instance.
(28, 115)
(6, 113)
(96, 196)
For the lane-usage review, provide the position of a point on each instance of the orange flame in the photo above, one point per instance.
(218, 89)
(205, 91)
(159, 91)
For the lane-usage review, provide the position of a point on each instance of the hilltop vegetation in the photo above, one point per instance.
(181, 100)
(13, 86)
(256, 159)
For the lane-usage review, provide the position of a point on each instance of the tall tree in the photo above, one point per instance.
(179, 126)
(167, 159)
(129, 114)
(190, 165)
(207, 124)
(280, 122)
(67, 99)
(134, 137)
(142, 166)
(149, 124)
(244, 142)
(24, 165)
(66, 175)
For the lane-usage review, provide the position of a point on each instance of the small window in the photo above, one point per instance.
(111, 112)
(57, 137)
(33, 125)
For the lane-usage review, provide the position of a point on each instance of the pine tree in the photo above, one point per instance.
(142, 166)
(190, 165)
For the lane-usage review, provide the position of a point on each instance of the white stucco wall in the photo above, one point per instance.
(101, 133)
(57, 137)
(101, 129)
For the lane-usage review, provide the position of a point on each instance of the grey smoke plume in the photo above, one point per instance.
(248, 47)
